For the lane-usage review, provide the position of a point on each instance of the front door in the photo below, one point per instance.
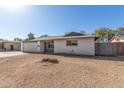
(11, 47)
(49, 47)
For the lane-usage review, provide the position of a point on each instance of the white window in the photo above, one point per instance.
(71, 43)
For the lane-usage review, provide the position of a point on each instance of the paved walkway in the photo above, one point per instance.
(12, 53)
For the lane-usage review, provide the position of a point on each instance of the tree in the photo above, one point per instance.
(31, 36)
(105, 34)
(17, 39)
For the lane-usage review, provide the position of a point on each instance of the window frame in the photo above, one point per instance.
(71, 42)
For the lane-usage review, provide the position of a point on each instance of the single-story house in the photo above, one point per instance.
(81, 45)
(6, 45)
(119, 38)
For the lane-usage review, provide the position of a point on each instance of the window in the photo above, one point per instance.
(51, 44)
(71, 43)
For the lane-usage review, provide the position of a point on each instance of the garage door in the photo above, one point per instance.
(30, 47)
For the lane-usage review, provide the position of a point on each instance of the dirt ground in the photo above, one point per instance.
(10, 53)
(71, 71)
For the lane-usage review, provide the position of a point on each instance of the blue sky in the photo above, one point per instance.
(56, 20)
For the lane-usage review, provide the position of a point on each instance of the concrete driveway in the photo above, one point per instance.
(12, 53)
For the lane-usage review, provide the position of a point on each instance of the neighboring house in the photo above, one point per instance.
(119, 38)
(81, 45)
(6, 45)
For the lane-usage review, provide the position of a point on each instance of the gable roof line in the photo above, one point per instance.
(7, 41)
(63, 37)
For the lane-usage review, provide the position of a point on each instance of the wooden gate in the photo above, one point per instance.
(105, 49)
(120, 49)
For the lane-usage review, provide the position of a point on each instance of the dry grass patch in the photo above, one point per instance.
(51, 60)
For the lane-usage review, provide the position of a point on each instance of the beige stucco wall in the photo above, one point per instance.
(86, 46)
(40, 46)
(7, 46)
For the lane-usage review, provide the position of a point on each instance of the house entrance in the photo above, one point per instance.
(11, 47)
(49, 46)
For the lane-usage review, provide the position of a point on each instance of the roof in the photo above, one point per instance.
(118, 37)
(74, 34)
(63, 37)
(6, 41)
(121, 36)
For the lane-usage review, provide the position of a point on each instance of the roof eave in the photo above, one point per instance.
(73, 37)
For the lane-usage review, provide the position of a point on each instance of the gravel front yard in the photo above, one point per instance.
(72, 71)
